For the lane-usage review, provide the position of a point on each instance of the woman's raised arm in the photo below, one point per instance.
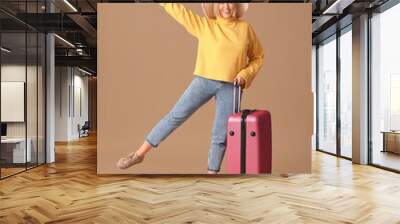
(256, 59)
(193, 23)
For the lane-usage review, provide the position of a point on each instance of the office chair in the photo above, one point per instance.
(84, 130)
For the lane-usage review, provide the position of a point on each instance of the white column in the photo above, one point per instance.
(360, 90)
(50, 91)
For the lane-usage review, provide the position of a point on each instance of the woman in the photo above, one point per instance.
(228, 52)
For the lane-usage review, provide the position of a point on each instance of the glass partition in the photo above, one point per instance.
(14, 153)
(41, 111)
(22, 88)
(32, 95)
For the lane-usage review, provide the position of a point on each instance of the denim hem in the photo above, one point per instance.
(214, 170)
(152, 144)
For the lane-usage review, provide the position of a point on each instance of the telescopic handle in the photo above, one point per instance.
(236, 97)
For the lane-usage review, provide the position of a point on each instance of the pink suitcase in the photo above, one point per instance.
(249, 140)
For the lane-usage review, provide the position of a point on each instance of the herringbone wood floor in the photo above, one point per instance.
(69, 191)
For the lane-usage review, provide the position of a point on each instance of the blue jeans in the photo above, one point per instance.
(200, 91)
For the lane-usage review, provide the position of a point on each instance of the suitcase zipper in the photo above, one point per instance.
(243, 142)
(243, 138)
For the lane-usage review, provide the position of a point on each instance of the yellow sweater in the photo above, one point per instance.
(226, 47)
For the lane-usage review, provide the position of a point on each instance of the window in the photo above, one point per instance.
(395, 101)
(346, 93)
(327, 96)
(335, 74)
(385, 89)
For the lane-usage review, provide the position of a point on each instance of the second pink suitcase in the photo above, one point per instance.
(249, 140)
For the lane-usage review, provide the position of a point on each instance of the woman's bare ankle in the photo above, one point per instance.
(139, 153)
(144, 149)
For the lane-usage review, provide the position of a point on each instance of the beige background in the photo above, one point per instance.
(146, 60)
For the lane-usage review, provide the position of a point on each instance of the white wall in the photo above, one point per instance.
(33, 127)
(62, 80)
(11, 73)
(12, 101)
(83, 83)
(16, 73)
(70, 83)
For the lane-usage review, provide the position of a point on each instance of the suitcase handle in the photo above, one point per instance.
(236, 97)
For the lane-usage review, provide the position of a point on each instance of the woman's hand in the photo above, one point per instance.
(239, 80)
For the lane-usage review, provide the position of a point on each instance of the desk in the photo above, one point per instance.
(391, 141)
(13, 150)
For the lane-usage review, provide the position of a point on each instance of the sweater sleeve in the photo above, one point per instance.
(256, 59)
(192, 22)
